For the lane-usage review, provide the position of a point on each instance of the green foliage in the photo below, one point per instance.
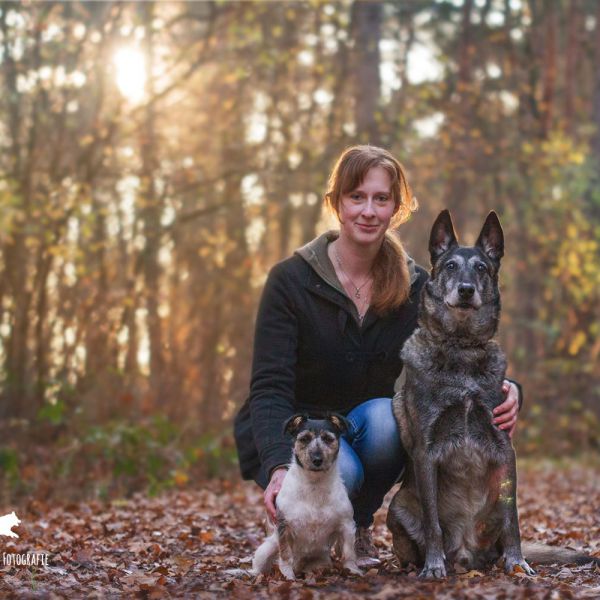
(118, 458)
(9, 464)
(217, 453)
(574, 430)
(52, 412)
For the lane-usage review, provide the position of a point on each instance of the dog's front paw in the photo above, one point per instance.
(368, 562)
(510, 564)
(352, 567)
(287, 571)
(433, 569)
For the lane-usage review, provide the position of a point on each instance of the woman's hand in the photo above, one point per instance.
(270, 494)
(505, 414)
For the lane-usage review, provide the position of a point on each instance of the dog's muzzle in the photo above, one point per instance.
(462, 306)
(466, 297)
(316, 462)
(466, 291)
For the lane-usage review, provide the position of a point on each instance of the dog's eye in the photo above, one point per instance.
(481, 267)
(304, 439)
(328, 438)
(451, 265)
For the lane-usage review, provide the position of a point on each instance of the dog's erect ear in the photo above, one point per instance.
(294, 423)
(339, 422)
(442, 236)
(491, 238)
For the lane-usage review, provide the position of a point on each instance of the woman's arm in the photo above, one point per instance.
(274, 487)
(273, 369)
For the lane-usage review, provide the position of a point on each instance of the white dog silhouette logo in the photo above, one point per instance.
(7, 522)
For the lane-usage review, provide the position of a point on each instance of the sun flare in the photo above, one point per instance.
(131, 73)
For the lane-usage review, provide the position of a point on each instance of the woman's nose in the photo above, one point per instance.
(368, 208)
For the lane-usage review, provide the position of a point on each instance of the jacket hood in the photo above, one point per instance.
(315, 254)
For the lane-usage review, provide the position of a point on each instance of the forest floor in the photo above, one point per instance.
(198, 544)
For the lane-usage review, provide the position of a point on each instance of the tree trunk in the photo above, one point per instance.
(573, 56)
(593, 198)
(151, 213)
(549, 65)
(457, 190)
(366, 26)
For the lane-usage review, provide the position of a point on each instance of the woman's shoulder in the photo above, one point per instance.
(419, 275)
(287, 273)
(291, 265)
(313, 255)
(422, 273)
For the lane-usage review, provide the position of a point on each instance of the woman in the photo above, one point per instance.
(332, 320)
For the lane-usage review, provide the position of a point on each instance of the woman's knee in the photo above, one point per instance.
(378, 422)
(350, 469)
(377, 440)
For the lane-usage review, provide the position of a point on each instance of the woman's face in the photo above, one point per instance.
(365, 212)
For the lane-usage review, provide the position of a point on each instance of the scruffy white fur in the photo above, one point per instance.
(314, 513)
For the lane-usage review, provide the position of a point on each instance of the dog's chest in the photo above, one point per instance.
(313, 514)
(464, 428)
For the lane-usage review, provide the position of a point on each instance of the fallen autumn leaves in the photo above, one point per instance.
(194, 544)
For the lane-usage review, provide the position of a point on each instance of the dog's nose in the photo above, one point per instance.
(466, 290)
(317, 461)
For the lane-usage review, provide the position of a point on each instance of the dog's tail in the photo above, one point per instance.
(542, 554)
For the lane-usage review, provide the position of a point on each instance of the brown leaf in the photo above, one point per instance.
(207, 536)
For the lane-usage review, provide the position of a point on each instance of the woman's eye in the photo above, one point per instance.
(355, 196)
(451, 265)
(382, 199)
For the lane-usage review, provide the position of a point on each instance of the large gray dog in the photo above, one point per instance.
(459, 499)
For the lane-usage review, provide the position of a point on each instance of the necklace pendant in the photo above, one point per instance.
(357, 294)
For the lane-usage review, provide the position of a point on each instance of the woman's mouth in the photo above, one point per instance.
(364, 227)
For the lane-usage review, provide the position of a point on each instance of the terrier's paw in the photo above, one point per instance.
(260, 567)
(433, 569)
(368, 562)
(287, 571)
(511, 563)
(353, 567)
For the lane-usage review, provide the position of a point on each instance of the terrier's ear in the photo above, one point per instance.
(442, 236)
(294, 423)
(339, 422)
(491, 238)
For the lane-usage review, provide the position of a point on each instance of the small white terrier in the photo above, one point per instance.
(314, 512)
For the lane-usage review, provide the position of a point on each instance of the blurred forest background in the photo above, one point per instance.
(158, 158)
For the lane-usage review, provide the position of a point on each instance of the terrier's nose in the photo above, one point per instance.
(317, 461)
(466, 290)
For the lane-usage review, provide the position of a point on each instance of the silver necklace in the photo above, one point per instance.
(364, 303)
(356, 288)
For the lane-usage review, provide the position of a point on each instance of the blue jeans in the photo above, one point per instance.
(371, 457)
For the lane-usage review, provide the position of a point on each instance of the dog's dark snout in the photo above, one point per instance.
(466, 290)
(317, 460)
(316, 457)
